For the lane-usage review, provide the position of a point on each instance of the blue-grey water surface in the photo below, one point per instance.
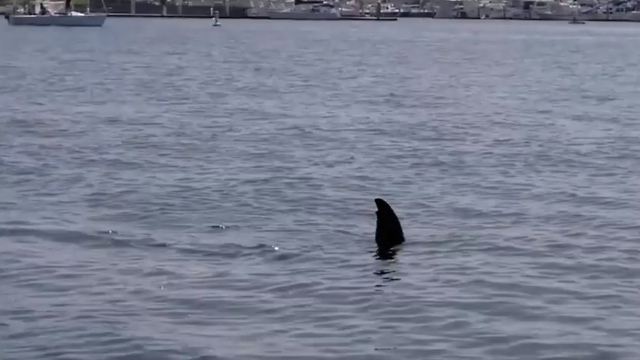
(171, 190)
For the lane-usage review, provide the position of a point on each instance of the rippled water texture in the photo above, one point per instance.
(170, 190)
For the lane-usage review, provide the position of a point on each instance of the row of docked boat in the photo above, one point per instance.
(590, 10)
(334, 10)
(622, 10)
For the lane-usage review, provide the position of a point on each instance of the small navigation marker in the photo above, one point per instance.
(216, 18)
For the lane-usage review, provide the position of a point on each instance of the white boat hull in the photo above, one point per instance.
(92, 20)
(299, 15)
(348, 12)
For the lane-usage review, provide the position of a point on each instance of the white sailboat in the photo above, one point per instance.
(56, 13)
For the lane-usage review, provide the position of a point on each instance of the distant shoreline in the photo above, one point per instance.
(235, 11)
(206, 16)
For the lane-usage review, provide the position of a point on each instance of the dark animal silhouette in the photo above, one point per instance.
(389, 232)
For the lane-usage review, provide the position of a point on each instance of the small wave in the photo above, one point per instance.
(97, 239)
(106, 239)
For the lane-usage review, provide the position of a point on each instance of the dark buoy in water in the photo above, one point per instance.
(216, 17)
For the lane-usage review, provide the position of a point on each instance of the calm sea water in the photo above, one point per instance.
(170, 190)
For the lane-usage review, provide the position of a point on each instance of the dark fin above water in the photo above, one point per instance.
(388, 229)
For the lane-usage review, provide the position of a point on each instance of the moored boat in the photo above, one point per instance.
(415, 11)
(50, 13)
(307, 10)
